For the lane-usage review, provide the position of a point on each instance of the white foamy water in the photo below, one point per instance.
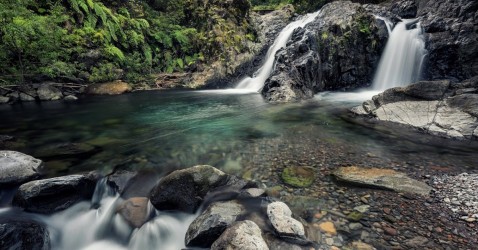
(402, 60)
(256, 82)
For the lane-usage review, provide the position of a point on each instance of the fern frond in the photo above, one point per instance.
(74, 5)
(114, 52)
(90, 3)
(83, 6)
(99, 11)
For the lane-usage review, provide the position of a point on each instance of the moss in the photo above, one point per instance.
(299, 177)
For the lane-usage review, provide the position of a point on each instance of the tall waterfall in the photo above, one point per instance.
(402, 60)
(256, 82)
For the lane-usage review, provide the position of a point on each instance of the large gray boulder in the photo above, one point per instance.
(434, 107)
(23, 234)
(55, 194)
(47, 92)
(17, 168)
(208, 226)
(242, 235)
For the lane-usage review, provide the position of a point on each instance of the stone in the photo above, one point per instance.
(23, 234)
(109, 88)
(405, 9)
(47, 92)
(355, 216)
(26, 98)
(362, 209)
(208, 226)
(358, 245)
(17, 168)
(382, 178)
(355, 226)
(184, 190)
(252, 193)
(241, 235)
(4, 99)
(299, 177)
(136, 211)
(390, 231)
(280, 216)
(328, 227)
(70, 98)
(416, 242)
(55, 194)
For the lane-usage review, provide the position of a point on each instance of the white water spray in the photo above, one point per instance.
(403, 57)
(257, 82)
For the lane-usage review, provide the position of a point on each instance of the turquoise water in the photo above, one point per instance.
(177, 129)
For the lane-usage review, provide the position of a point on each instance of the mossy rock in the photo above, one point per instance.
(299, 177)
(355, 216)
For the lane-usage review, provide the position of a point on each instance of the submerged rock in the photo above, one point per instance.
(108, 88)
(208, 226)
(24, 234)
(64, 150)
(52, 195)
(281, 219)
(241, 235)
(185, 189)
(17, 168)
(299, 177)
(382, 178)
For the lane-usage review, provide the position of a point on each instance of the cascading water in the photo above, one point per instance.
(257, 82)
(402, 59)
(96, 225)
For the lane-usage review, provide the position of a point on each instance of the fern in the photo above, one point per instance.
(90, 4)
(99, 11)
(84, 6)
(114, 52)
(143, 23)
(74, 5)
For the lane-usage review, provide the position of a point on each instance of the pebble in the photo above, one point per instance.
(329, 241)
(362, 209)
(355, 226)
(390, 231)
(328, 227)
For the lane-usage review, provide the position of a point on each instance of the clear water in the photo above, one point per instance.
(178, 129)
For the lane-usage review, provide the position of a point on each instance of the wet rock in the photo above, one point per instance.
(52, 195)
(131, 184)
(358, 245)
(70, 98)
(17, 168)
(47, 92)
(279, 244)
(4, 99)
(109, 88)
(26, 98)
(241, 235)
(119, 180)
(208, 226)
(252, 193)
(299, 176)
(136, 211)
(381, 178)
(24, 234)
(63, 150)
(328, 227)
(390, 231)
(405, 9)
(355, 216)
(281, 219)
(416, 242)
(184, 190)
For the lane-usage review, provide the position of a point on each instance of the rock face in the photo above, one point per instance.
(281, 219)
(17, 168)
(206, 228)
(340, 49)
(108, 88)
(382, 178)
(435, 107)
(18, 234)
(55, 194)
(184, 190)
(451, 38)
(241, 235)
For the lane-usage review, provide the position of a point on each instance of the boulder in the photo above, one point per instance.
(47, 92)
(208, 226)
(280, 216)
(184, 190)
(382, 178)
(241, 235)
(17, 168)
(405, 9)
(136, 211)
(55, 194)
(24, 234)
(70, 98)
(109, 88)
(26, 98)
(4, 99)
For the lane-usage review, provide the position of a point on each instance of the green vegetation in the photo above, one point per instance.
(102, 40)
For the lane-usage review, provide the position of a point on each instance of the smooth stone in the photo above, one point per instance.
(358, 245)
(382, 178)
(241, 235)
(55, 194)
(136, 211)
(208, 226)
(281, 219)
(355, 226)
(328, 227)
(390, 231)
(70, 98)
(299, 177)
(418, 241)
(17, 168)
(109, 88)
(362, 209)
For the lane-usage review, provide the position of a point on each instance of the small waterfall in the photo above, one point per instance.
(257, 81)
(402, 60)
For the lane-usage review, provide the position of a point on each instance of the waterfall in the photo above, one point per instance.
(256, 82)
(402, 60)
